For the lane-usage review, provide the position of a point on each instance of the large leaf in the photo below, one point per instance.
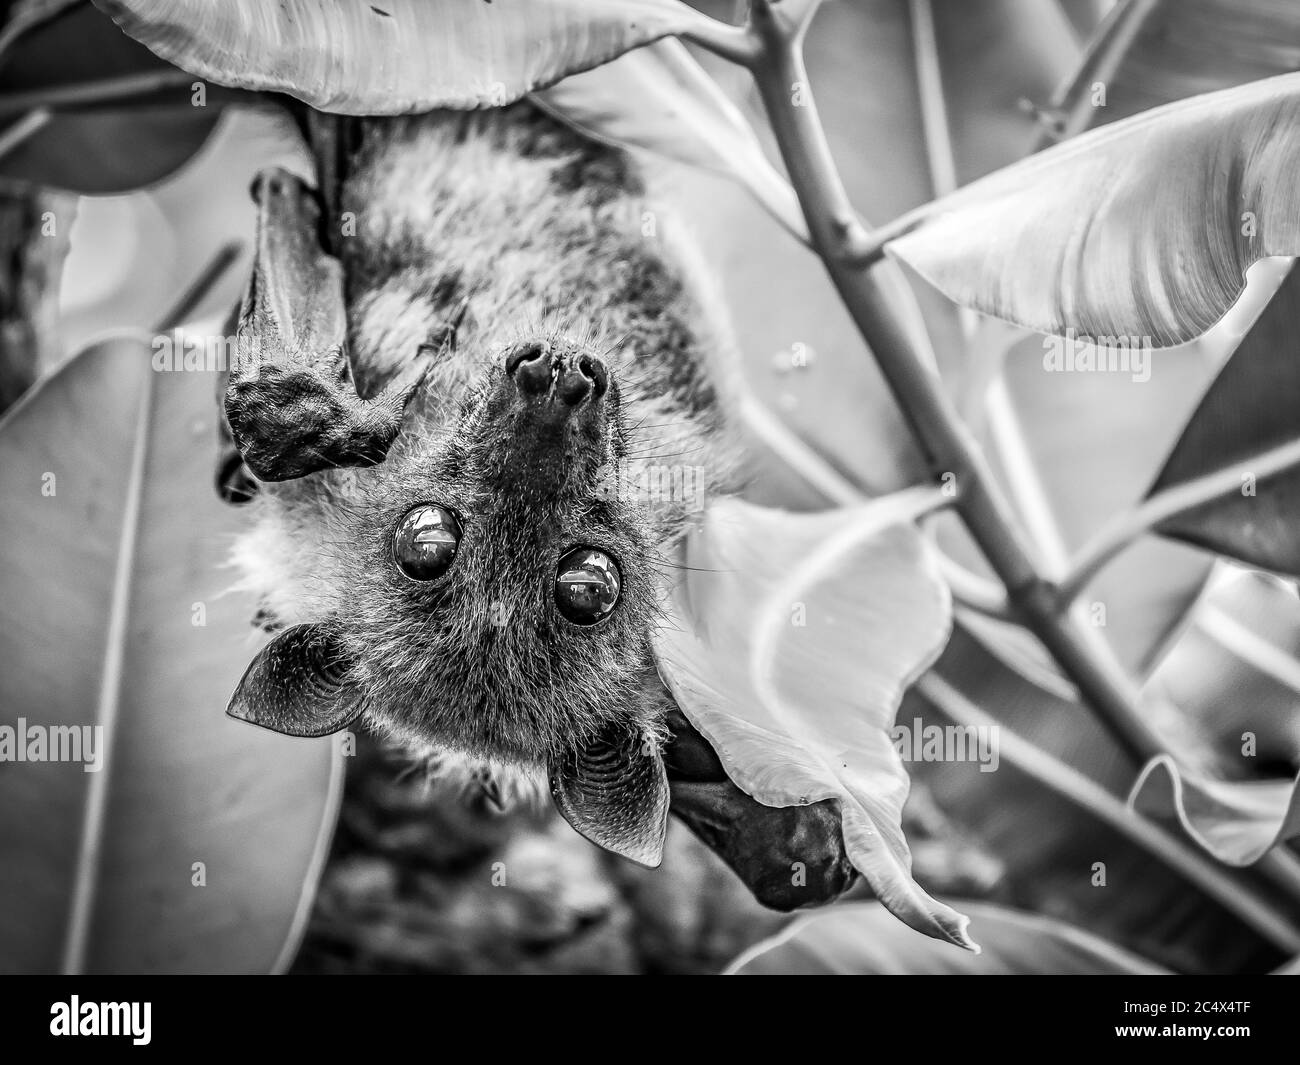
(1141, 230)
(793, 671)
(660, 99)
(397, 56)
(860, 939)
(1249, 410)
(91, 143)
(115, 614)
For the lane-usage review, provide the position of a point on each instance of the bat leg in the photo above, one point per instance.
(291, 403)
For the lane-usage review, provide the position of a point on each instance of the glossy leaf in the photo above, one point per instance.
(396, 56)
(860, 939)
(793, 672)
(117, 614)
(1249, 411)
(1089, 236)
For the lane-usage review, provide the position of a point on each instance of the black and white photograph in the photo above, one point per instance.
(650, 487)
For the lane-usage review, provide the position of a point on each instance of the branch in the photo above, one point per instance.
(734, 43)
(1147, 516)
(840, 239)
(1230, 889)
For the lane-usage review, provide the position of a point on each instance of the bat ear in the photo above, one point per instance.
(614, 792)
(297, 685)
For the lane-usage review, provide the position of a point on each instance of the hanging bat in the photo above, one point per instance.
(461, 361)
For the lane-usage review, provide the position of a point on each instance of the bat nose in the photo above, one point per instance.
(540, 370)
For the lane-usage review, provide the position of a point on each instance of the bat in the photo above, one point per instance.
(480, 395)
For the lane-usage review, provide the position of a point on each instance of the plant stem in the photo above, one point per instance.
(1227, 887)
(1119, 533)
(94, 93)
(840, 238)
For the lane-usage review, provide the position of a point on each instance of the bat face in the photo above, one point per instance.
(485, 589)
(504, 597)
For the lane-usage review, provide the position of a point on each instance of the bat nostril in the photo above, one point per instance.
(531, 366)
(594, 370)
(523, 352)
(573, 388)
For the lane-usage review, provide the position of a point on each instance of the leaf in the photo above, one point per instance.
(1131, 231)
(660, 99)
(1234, 676)
(95, 146)
(805, 363)
(1149, 52)
(793, 671)
(860, 939)
(1047, 839)
(1247, 413)
(396, 56)
(1232, 691)
(1238, 821)
(133, 257)
(107, 579)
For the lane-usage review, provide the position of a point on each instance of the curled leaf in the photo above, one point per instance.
(1226, 701)
(790, 642)
(1237, 821)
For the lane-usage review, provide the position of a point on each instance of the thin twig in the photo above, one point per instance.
(208, 279)
(1149, 515)
(23, 130)
(94, 93)
(28, 18)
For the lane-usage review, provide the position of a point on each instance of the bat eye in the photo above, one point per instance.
(425, 542)
(587, 584)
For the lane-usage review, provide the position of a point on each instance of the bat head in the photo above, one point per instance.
(485, 589)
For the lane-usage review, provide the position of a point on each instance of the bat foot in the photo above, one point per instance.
(289, 420)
